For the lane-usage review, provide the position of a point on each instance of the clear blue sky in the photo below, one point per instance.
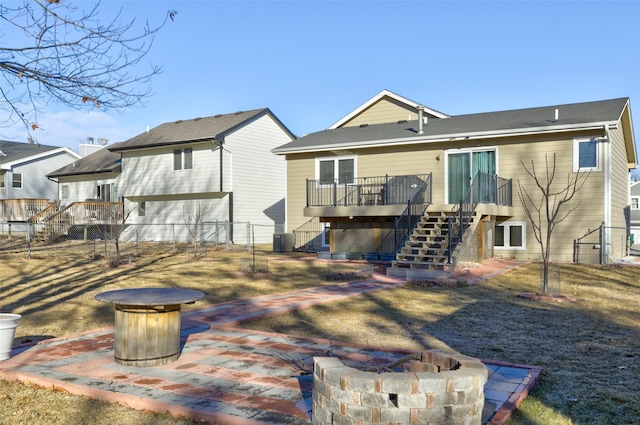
(312, 62)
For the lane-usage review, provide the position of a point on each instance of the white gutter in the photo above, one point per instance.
(448, 138)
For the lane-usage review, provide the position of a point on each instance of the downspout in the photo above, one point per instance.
(607, 191)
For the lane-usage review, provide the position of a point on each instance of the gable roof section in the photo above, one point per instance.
(577, 116)
(14, 153)
(193, 130)
(102, 161)
(379, 97)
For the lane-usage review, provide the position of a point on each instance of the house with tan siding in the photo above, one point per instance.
(423, 189)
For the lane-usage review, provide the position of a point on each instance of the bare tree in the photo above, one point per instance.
(117, 224)
(69, 55)
(196, 226)
(549, 209)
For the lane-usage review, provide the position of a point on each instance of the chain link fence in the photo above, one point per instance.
(103, 239)
(603, 245)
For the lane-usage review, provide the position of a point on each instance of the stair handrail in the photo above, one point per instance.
(461, 217)
(312, 228)
(45, 214)
(413, 212)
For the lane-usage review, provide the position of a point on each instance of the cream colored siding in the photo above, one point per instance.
(384, 111)
(619, 179)
(299, 169)
(511, 154)
(588, 202)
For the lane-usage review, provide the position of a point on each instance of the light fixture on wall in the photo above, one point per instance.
(350, 217)
(437, 157)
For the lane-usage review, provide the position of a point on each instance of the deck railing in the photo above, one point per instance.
(485, 189)
(362, 191)
(22, 209)
(81, 213)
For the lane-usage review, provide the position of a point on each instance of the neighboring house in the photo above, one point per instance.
(221, 166)
(23, 170)
(635, 212)
(92, 177)
(362, 185)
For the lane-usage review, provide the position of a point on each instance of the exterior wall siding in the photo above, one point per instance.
(259, 176)
(84, 187)
(253, 182)
(511, 154)
(150, 172)
(35, 184)
(383, 111)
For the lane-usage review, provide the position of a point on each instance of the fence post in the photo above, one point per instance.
(227, 226)
(249, 236)
(602, 244)
(28, 241)
(173, 232)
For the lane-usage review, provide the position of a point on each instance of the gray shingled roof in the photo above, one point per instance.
(13, 151)
(102, 161)
(215, 127)
(502, 122)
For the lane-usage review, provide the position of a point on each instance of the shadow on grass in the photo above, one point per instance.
(589, 349)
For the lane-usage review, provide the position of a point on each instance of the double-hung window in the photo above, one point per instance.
(335, 170)
(183, 159)
(510, 236)
(17, 180)
(586, 154)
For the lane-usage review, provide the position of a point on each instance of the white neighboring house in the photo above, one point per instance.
(24, 168)
(222, 165)
(635, 212)
(92, 177)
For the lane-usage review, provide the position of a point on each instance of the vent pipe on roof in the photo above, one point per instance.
(556, 116)
(420, 119)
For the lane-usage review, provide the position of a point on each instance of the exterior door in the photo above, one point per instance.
(463, 166)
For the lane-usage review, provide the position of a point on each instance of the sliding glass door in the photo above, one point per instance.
(463, 166)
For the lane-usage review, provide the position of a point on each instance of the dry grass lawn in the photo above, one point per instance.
(589, 349)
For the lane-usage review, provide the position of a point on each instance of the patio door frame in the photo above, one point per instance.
(473, 168)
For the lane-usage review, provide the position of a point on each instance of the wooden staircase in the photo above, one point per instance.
(425, 253)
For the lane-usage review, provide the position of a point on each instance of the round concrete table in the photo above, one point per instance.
(147, 323)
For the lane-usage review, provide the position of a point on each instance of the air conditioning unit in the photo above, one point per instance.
(283, 242)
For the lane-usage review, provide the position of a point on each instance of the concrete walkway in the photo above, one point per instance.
(234, 376)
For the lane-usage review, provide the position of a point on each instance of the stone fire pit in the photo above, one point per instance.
(438, 388)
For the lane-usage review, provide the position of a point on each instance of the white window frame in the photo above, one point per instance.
(336, 160)
(637, 202)
(469, 151)
(576, 154)
(326, 228)
(142, 208)
(507, 231)
(186, 159)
